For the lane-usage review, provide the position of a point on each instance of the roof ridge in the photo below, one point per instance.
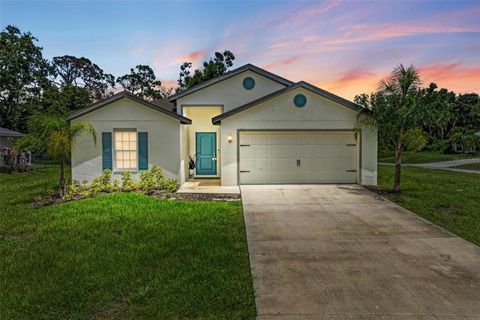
(229, 74)
(126, 94)
(303, 84)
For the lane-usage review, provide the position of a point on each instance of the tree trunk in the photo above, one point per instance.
(398, 169)
(63, 189)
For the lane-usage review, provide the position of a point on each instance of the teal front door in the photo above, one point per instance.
(206, 144)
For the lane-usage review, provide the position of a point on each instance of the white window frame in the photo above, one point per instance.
(114, 151)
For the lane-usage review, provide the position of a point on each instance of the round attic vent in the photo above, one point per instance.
(248, 83)
(300, 100)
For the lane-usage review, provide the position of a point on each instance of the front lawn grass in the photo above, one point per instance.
(121, 256)
(469, 166)
(425, 157)
(448, 199)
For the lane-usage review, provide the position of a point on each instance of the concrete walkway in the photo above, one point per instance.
(196, 188)
(341, 252)
(443, 165)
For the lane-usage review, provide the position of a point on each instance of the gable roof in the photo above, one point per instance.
(228, 75)
(4, 132)
(164, 103)
(125, 94)
(301, 84)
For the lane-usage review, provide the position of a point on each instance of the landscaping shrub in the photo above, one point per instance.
(102, 183)
(127, 182)
(150, 180)
(153, 179)
(168, 184)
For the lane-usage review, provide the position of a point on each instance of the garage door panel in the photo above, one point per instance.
(246, 165)
(279, 164)
(246, 152)
(297, 157)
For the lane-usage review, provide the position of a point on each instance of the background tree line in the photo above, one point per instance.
(31, 84)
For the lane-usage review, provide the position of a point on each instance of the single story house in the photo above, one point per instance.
(7, 137)
(248, 126)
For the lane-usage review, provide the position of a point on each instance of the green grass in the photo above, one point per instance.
(425, 157)
(469, 166)
(448, 199)
(120, 256)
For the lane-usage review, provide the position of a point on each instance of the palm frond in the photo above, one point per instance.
(365, 121)
(30, 142)
(401, 81)
(42, 125)
(78, 129)
(59, 145)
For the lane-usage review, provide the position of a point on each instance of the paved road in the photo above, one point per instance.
(443, 165)
(341, 252)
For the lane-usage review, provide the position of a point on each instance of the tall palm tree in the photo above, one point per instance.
(395, 112)
(55, 136)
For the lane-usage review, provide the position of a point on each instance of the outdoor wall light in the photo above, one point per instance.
(229, 138)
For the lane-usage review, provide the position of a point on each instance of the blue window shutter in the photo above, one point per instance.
(143, 151)
(107, 150)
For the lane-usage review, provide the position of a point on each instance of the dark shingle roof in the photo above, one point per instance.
(301, 84)
(4, 132)
(163, 103)
(125, 94)
(230, 74)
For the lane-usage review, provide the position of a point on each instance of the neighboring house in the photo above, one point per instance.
(7, 137)
(245, 127)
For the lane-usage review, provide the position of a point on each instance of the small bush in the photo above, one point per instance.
(102, 183)
(150, 179)
(115, 186)
(127, 182)
(168, 184)
(153, 179)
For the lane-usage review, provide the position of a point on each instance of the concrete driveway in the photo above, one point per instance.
(341, 252)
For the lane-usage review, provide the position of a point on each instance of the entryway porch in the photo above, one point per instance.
(207, 186)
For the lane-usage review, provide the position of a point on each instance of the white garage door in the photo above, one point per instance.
(297, 157)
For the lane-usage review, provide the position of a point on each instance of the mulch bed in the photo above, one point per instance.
(160, 194)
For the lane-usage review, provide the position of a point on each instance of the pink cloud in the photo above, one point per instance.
(372, 32)
(169, 83)
(282, 62)
(312, 11)
(353, 82)
(454, 76)
(194, 56)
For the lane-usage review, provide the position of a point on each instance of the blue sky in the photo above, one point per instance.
(346, 47)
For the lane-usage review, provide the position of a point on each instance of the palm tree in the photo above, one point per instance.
(55, 136)
(395, 112)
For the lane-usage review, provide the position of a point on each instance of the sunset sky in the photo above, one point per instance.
(345, 47)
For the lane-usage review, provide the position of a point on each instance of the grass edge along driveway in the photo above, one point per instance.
(122, 256)
(426, 157)
(448, 199)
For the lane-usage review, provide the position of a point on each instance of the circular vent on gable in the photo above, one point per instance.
(300, 100)
(248, 83)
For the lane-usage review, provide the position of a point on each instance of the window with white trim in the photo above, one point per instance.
(125, 149)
